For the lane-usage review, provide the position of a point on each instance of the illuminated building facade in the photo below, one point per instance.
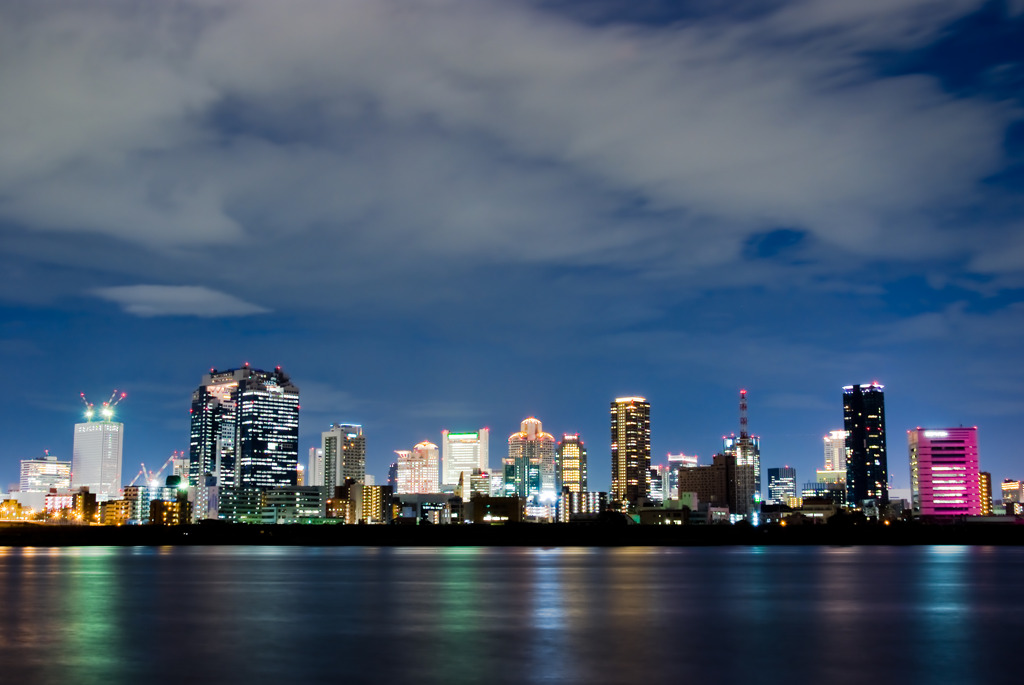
(530, 466)
(944, 472)
(676, 462)
(571, 456)
(659, 490)
(985, 488)
(577, 505)
(417, 470)
(344, 454)
(244, 435)
(867, 474)
(631, 449)
(1011, 491)
(835, 451)
(96, 458)
(39, 475)
(463, 452)
(781, 485)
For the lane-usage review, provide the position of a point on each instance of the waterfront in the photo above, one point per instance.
(477, 614)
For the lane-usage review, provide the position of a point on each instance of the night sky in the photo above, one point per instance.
(461, 213)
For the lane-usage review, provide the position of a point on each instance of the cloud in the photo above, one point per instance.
(177, 300)
(473, 126)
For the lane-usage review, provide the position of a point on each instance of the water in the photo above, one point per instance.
(415, 615)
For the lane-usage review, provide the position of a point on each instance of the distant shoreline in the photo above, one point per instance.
(522, 535)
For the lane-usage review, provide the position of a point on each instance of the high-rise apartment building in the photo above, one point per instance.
(944, 472)
(530, 465)
(985, 488)
(631, 450)
(96, 456)
(417, 470)
(867, 474)
(244, 434)
(43, 473)
(571, 456)
(344, 448)
(463, 452)
(781, 485)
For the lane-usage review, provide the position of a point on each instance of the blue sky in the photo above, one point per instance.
(460, 213)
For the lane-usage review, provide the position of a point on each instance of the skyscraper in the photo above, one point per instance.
(835, 451)
(96, 456)
(572, 463)
(244, 434)
(631, 449)
(864, 422)
(344, 447)
(944, 472)
(416, 470)
(530, 466)
(463, 452)
(781, 485)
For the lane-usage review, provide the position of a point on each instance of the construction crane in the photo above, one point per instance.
(140, 474)
(174, 455)
(108, 407)
(88, 407)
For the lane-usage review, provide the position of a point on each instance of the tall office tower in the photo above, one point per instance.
(315, 467)
(781, 485)
(530, 466)
(463, 452)
(244, 434)
(417, 470)
(344, 447)
(944, 472)
(867, 473)
(631, 450)
(96, 456)
(42, 473)
(571, 456)
(985, 488)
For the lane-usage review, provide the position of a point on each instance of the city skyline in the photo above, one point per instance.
(380, 464)
(462, 214)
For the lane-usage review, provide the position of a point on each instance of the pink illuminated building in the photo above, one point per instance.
(944, 478)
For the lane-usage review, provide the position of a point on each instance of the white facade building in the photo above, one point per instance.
(463, 452)
(96, 459)
(39, 475)
(417, 471)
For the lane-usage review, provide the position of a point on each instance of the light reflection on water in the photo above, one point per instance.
(236, 614)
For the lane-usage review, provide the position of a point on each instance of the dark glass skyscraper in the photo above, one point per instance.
(244, 434)
(867, 474)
